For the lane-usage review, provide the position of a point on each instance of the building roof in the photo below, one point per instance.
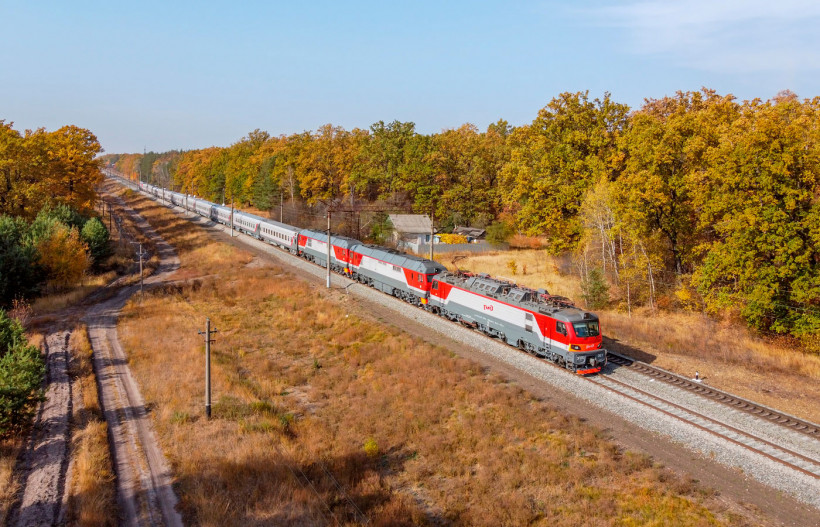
(469, 231)
(411, 223)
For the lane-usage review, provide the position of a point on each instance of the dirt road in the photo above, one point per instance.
(46, 456)
(144, 490)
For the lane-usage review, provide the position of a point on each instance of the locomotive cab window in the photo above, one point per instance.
(587, 328)
(561, 328)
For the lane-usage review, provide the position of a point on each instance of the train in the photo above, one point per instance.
(532, 320)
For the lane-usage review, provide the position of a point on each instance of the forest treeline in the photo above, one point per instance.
(48, 236)
(48, 239)
(696, 199)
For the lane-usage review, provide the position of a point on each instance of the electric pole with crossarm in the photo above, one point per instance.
(208, 340)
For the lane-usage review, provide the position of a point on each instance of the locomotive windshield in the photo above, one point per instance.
(586, 329)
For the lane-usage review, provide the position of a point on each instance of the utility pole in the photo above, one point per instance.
(208, 340)
(432, 231)
(281, 206)
(231, 216)
(328, 246)
(140, 256)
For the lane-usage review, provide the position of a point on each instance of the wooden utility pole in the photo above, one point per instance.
(328, 247)
(232, 216)
(208, 340)
(432, 232)
(140, 254)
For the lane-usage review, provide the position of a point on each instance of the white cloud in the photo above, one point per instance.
(736, 36)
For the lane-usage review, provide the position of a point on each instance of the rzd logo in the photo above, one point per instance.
(488, 308)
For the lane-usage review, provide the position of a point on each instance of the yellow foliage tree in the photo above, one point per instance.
(452, 238)
(64, 256)
(39, 168)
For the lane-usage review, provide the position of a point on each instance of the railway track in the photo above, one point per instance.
(733, 401)
(775, 452)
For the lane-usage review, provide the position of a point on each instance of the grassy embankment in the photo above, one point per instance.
(323, 416)
(727, 354)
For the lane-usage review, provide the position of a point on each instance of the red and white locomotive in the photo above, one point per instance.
(531, 320)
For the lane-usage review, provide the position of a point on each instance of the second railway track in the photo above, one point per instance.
(733, 401)
(758, 445)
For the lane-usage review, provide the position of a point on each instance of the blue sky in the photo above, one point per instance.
(170, 75)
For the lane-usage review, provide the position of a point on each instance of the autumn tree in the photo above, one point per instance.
(759, 198)
(381, 159)
(63, 255)
(553, 161)
(326, 163)
(665, 146)
(466, 166)
(39, 168)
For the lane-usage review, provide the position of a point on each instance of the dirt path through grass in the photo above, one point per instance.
(144, 489)
(46, 458)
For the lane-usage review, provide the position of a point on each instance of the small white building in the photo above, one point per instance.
(411, 230)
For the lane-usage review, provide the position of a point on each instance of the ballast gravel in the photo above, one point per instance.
(756, 426)
(803, 487)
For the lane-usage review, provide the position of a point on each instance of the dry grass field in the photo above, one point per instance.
(725, 353)
(9, 450)
(92, 495)
(323, 417)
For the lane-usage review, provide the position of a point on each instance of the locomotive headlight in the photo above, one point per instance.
(576, 347)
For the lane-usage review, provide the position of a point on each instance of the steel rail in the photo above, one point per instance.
(777, 417)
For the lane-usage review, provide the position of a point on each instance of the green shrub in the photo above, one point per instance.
(595, 290)
(21, 374)
(371, 448)
(499, 232)
(95, 235)
(20, 274)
